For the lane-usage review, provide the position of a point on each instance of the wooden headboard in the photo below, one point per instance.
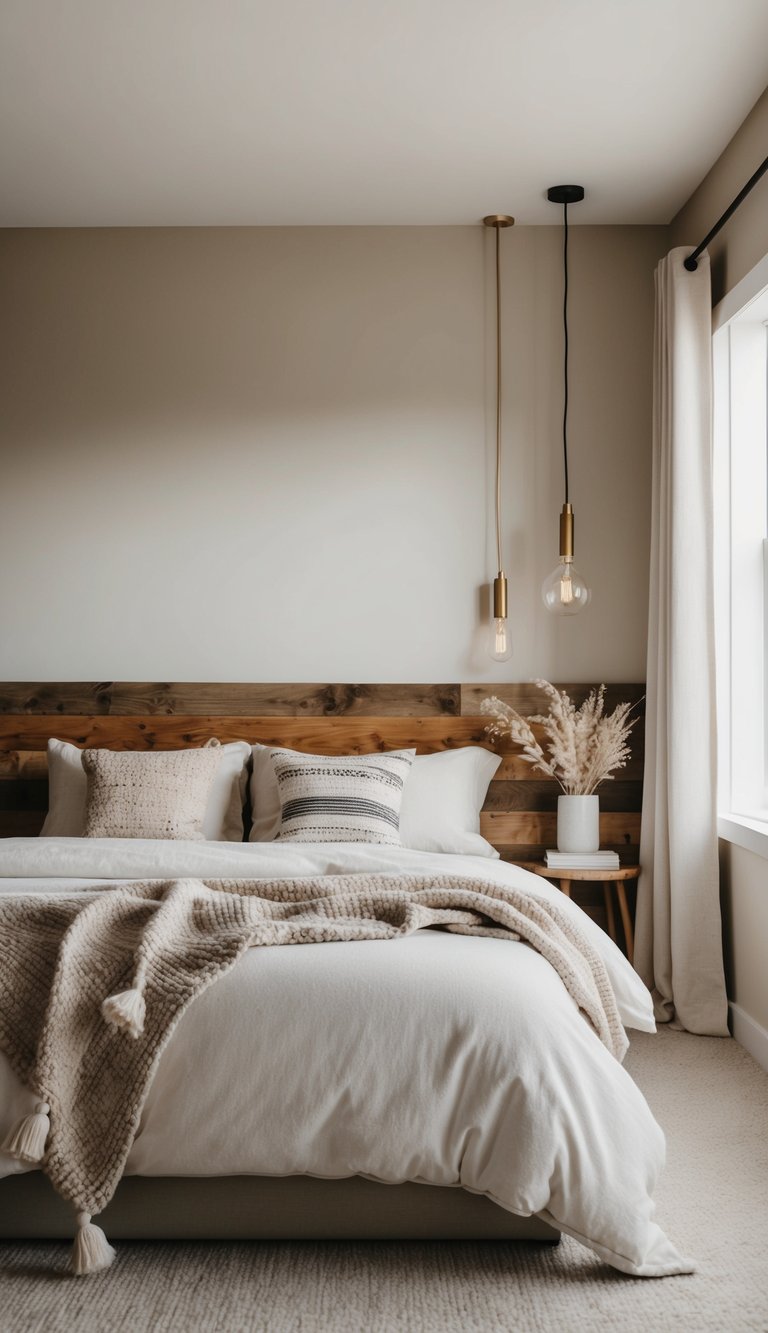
(519, 814)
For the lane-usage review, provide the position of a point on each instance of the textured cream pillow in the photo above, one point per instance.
(67, 793)
(154, 794)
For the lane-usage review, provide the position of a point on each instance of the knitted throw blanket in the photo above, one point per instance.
(92, 987)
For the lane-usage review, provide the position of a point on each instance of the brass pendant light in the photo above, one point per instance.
(500, 642)
(564, 591)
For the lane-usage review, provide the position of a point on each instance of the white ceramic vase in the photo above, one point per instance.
(578, 823)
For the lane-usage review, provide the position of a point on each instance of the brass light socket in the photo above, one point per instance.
(500, 596)
(566, 532)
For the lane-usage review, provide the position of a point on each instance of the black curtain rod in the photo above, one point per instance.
(690, 262)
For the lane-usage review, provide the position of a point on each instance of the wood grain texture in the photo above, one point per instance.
(529, 794)
(23, 764)
(327, 735)
(331, 735)
(525, 697)
(515, 769)
(530, 826)
(582, 876)
(513, 776)
(128, 698)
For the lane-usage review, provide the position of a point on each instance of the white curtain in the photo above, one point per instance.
(678, 950)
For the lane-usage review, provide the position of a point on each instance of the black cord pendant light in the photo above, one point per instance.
(564, 591)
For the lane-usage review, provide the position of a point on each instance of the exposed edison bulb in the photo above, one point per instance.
(500, 639)
(564, 592)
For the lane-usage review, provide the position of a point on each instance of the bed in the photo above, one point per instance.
(438, 1084)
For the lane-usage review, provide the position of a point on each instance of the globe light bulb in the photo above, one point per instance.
(501, 640)
(564, 592)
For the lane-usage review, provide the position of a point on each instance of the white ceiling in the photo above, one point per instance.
(283, 112)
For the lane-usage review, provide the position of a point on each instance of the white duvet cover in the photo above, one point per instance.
(440, 1058)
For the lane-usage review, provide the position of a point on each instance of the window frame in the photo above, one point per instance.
(740, 478)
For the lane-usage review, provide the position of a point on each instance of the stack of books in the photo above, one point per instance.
(582, 860)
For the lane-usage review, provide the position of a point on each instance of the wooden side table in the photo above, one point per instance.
(609, 879)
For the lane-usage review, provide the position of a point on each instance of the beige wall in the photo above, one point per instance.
(268, 453)
(744, 878)
(744, 240)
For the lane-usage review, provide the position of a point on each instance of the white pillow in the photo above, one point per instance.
(442, 801)
(440, 810)
(67, 793)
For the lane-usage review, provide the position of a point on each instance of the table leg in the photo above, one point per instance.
(565, 887)
(626, 921)
(611, 919)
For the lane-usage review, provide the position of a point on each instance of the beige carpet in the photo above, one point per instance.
(712, 1100)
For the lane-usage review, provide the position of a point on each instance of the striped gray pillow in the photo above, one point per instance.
(346, 798)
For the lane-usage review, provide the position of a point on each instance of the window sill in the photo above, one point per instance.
(751, 834)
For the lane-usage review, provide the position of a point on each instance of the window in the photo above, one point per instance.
(740, 358)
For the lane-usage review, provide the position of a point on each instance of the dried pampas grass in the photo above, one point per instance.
(585, 745)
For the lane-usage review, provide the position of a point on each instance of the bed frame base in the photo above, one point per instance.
(267, 1208)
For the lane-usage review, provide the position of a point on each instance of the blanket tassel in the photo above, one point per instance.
(26, 1141)
(125, 1010)
(91, 1251)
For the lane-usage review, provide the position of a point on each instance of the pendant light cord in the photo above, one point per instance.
(497, 229)
(565, 348)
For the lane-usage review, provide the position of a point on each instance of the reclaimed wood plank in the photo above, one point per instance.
(229, 699)
(329, 735)
(47, 697)
(23, 764)
(504, 828)
(542, 795)
(35, 733)
(513, 767)
(526, 697)
(31, 731)
(21, 823)
(34, 764)
(290, 700)
(32, 795)
(130, 698)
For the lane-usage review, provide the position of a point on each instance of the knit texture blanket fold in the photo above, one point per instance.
(93, 985)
